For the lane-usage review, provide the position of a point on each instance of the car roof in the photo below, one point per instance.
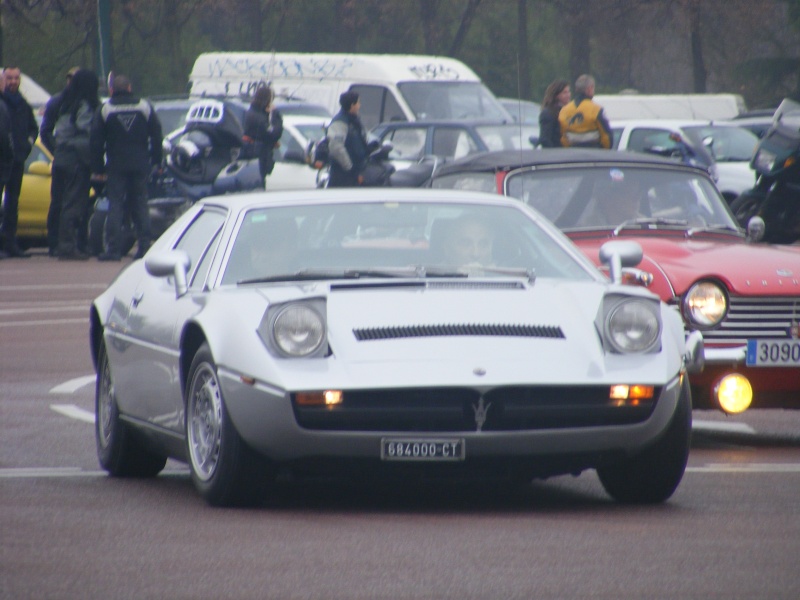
(512, 159)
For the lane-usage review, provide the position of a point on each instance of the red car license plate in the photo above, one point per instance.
(773, 353)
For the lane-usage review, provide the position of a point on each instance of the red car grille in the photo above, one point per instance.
(762, 318)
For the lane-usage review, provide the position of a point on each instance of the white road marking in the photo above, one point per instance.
(746, 468)
(73, 385)
(50, 472)
(26, 310)
(73, 412)
(53, 286)
(44, 322)
(722, 426)
(76, 472)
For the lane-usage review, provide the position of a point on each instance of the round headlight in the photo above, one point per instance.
(705, 304)
(298, 330)
(634, 326)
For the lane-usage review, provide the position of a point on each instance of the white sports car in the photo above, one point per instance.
(388, 330)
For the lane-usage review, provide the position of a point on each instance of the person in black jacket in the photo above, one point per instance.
(127, 132)
(263, 127)
(348, 143)
(556, 96)
(24, 130)
(58, 178)
(72, 159)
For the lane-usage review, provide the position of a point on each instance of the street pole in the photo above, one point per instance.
(104, 39)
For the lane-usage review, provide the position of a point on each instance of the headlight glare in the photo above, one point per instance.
(633, 326)
(705, 304)
(298, 330)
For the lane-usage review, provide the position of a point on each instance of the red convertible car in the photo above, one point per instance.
(742, 295)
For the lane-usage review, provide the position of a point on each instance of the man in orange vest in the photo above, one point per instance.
(583, 124)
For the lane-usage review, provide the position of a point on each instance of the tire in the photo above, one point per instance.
(118, 450)
(653, 475)
(225, 471)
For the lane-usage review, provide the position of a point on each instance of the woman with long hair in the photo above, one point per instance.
(556, 96)
(72, 157)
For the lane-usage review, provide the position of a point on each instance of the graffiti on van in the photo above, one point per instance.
(268, 69)
(431, 71)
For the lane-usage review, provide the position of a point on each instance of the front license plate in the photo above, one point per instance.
(422, 449)
(773, 353)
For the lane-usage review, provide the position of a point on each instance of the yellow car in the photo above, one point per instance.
(34, 198)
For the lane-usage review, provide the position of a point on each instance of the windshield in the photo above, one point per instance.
(452, 100)
(726, 144)
(419, 240)
(607, 197)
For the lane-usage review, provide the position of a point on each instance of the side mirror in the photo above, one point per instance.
(170, 263)
(756, 229)
(618, 254)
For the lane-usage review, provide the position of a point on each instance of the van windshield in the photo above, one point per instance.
(452, 100)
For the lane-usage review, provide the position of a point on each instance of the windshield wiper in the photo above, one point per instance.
(651, 221)
(411, 271)
(335, 273)
(718, 227)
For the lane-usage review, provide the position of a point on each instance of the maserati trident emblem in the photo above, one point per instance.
(480, 413)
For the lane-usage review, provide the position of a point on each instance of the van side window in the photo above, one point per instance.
(377, 105)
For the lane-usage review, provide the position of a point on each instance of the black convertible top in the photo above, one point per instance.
(502, 160)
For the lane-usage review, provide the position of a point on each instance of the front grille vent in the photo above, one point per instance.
(763, 318)
(443, 330)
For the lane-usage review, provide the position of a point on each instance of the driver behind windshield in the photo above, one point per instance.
(614, 201)
(468, 243)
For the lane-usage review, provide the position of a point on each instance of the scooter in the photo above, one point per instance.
(776, 195)
(206, 157)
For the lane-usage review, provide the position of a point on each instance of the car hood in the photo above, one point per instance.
(745, 269)
(448, 333)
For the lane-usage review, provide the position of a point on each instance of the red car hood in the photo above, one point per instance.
(677, 262)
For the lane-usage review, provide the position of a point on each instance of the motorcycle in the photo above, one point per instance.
(206, 157)
(776, 195)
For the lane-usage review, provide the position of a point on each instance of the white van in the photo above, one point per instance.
(391, 87)
(712, 107)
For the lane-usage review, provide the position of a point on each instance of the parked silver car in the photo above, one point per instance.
(386, 330)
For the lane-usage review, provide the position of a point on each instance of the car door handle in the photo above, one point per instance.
(137, 297)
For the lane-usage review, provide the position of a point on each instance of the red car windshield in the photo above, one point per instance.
(607, 197)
